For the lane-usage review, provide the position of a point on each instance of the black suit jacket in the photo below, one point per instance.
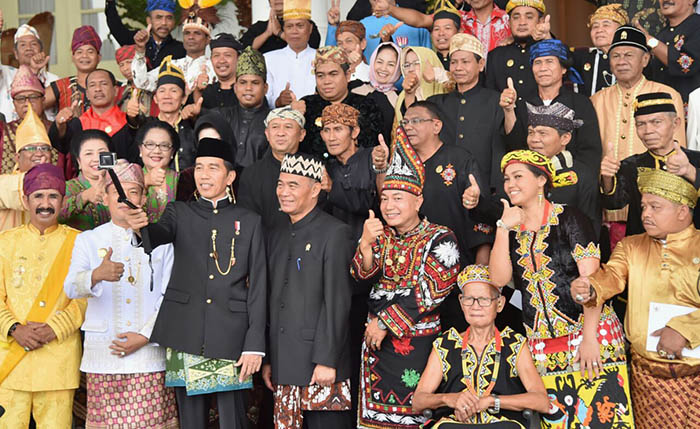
(204, 312)
(310, 295)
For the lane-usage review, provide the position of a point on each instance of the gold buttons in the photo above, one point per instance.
(128, 300)
(461, 136)
(216, 211)
(211, 276)
(522, 67)
(42, 304)
(461, 118)
(208, 300)
(622, 137)
(624, 121)
(520, 81)
(463, 101)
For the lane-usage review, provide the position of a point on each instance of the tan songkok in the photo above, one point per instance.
(30, 131)
(466, 42)
(340, 114)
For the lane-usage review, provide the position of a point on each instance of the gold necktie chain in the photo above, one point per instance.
(215, 254)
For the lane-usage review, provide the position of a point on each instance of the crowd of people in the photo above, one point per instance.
(440, 219)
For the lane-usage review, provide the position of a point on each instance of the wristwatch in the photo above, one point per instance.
(381, 325)
(12, 329)
(501, 224)
(496, 405)
(653, 42)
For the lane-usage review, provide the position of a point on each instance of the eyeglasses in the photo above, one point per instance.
(483, 301)
(408, 66)
(414, 121)
(42, 148)
(160, 146)
(30, 98)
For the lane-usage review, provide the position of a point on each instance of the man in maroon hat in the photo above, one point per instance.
(124, 57)
(40, 350)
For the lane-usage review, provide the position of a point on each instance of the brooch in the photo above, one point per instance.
(308, 247)
(678, 42)
(685, 62)
(587, 67)
(448, 174)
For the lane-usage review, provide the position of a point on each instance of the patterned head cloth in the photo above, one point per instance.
(354, 27)
(537, 4)
(26, 30)
(549, 47)
(30, 131)
(296, 9)
(330, 54)
(444, 9)
(628, 35)
(170, 73)
(44, 176)
(555, 115)
(85, 35)
(302, 164)
(25, 80)
(613, 11)
(654, 102)
(127, 173)
(340, 114)
(466, 42)
(667, 185)
(406, 171)
(541, 162)
(474, 274)
(251, 62)
(124, 53)
(166, 5)
(225, 40)
(285, 112)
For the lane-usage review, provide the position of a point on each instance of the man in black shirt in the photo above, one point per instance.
(224, 57)
(266, 36)
(161, 18)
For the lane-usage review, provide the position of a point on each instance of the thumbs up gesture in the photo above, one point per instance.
(154, 177)
(470, 197)
(192, 110)
(542, 29)
(132, 106)
(202, 79)
(380, 155)
(508, 96)
(286, 97)
(372, 229)
(609, 167)
(141, 38)
(512, 215)
(108, 270)
(678, 163)
(38, 61)
(298, 105)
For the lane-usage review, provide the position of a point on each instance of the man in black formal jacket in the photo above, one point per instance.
(213, 314)
(310, 290)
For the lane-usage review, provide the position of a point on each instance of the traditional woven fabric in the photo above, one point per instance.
(576, 402)
(292, 401)
(474, 274)
(664, 402)
(353, 27)
(444, 9)
(85, 35)
(285, 112)
(654, 102)
(79, 214)
(537, 4)
(629, 35)
(130, 401)
(200, 375)
(30, 131)
(296, 9)
(199, 14)
(44, 176)
(302, 164)
(166, 5)
(340, 114)
(124, 53)
(406, 171)
(541, 162)
(158, 197)
(127, 173)
(170, 73)
(252, 62)
(613, 11)
(466, 42)
(549, 47)
(26, 30)
(330, 54)
(667, 185)
(225, 40)
(556, 116)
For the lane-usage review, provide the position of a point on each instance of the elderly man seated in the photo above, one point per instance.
(494, 395)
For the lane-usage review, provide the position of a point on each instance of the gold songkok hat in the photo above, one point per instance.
(296, 9)
(466, 42)
(541, 162)
(474, 274)
(340, 114)
(537, 4)
(30, 131)
(613, 11)
(666, 185)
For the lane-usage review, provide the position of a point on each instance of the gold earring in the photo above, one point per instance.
(229, 194)
(540, 197)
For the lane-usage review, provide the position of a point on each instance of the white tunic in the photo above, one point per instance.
(361, 72)
(286, 66)
(191, 67)
(117, 307)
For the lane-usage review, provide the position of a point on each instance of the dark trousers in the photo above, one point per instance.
(327, 419)
(194, 410)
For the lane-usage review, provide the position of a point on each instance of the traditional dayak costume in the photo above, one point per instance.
(414, 272)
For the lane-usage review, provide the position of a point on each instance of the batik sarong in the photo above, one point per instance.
(201, 375)
(292, 401)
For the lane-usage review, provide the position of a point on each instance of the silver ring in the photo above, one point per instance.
(123, 353)
(579, 298)
(27, 349)
(671, 356)
(595, 363)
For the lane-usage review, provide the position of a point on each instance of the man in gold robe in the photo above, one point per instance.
(39, 339)
(660, 267)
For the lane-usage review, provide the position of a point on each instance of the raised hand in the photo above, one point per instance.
(380, 154)
(202, 79)
(428, 73)
(542, 29)
(470, 197)
(108, 270)
(141, 38)
(95, 193)
(38, 61)
(298, 105)
(381, 8)
(274, 27)
(410, 83)
(388, 31)
(371, 230)
(192, 110)
(512, 216)
(678, 163)
(154, 177)
(286, 96)
(137, 219)
(333, 13)
(508, 96)
(133, 108)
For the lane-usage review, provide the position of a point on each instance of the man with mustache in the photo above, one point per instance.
(33, 147)
(224, 57)
(160, 17)
(39, 324)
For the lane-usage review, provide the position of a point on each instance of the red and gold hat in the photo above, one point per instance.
(406, 171)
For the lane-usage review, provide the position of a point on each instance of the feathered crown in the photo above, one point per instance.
(199, 14)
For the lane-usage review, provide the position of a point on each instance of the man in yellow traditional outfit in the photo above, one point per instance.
(32, 147)
(660, 268)
(39, 339)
